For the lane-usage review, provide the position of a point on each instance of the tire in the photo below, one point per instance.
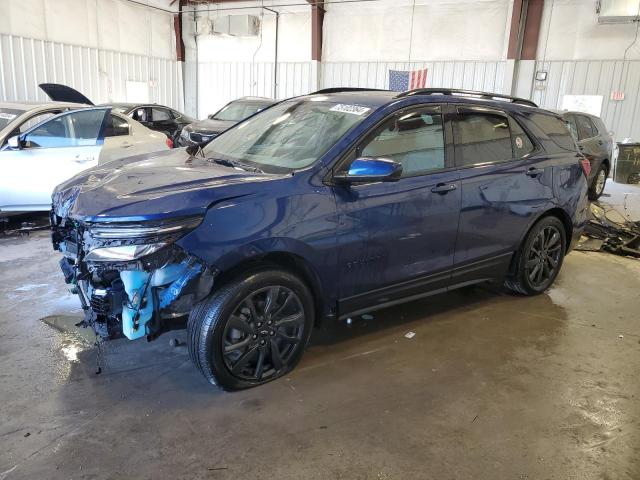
(599, 181)
(261, 319)
(548, 237)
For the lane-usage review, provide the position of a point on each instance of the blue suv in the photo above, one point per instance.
(320, 207)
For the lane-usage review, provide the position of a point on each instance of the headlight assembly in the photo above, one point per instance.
(128, 241)
(132, 231)
(123, 253)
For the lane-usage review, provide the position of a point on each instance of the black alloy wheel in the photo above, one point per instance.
(543, 257)
(262, 333)
(538, 261)
(252, 329)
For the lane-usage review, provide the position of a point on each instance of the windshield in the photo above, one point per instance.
(236, 111)
(288, 136)
(7, 115)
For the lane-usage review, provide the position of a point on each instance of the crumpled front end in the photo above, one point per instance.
(131, 277)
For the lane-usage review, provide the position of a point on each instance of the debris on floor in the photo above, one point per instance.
(608, 230)
(410, 335)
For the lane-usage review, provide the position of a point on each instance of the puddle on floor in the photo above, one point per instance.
(66, 324)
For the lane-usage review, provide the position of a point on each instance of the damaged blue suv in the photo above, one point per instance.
(320, 207)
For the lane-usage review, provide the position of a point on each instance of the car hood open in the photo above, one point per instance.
(153, 186)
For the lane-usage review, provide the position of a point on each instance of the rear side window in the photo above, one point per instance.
(160, 115)
(415, 140)
(585, 127)
(555, 129)
(521, 143)
(481, 138)
(571, 125)
(116, 127)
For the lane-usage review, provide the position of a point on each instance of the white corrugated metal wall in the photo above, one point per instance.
(101, 75)
(473, 75)
(221, 82)
(595, 77)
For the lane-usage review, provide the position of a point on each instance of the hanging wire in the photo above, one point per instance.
(413, 11)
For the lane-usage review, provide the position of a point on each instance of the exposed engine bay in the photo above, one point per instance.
(132, 280)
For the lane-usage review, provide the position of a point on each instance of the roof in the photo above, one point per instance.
(255, 99)
(26, 106)
(378, 98)
(573, 112)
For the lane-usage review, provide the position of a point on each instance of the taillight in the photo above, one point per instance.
(586, 166)
(169, 143)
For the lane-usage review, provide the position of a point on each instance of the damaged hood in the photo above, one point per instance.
(153, 186)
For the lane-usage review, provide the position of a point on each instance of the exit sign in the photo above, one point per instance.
(617, 95)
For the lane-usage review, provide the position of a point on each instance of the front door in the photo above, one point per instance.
(49, 154)
(396, 239)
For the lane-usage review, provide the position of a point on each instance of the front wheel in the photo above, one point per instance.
(538, 262)
(252, 330)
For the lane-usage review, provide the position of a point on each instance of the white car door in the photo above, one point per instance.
(47, 155)
(124, 137)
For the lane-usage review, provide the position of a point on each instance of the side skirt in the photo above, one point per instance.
(477, 272)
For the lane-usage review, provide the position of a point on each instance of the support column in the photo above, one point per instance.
(526, 19)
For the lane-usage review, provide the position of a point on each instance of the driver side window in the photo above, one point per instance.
(80, 128)
(413, 139)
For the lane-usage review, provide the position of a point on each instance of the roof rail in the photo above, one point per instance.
(347, 89)
(456, 91)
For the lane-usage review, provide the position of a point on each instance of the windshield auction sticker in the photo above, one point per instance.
(354, 109)
(7, 116)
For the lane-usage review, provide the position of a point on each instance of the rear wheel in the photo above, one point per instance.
(598, 183)
(538, 262)
(252, 330)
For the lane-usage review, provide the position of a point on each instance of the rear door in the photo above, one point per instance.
(505, 180)
(50, 153)
(396, 239)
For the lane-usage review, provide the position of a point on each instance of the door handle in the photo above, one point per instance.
(534, 172)
(443, 188)
(126, 145)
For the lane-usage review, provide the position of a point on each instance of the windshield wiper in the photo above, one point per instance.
(234, 163)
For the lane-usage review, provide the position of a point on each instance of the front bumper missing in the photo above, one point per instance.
(134, 299)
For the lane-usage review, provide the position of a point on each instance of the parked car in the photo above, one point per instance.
(199, 133)
(321, 207)
(54, 150)
(18, 117)
(156, 117)
(596, 144)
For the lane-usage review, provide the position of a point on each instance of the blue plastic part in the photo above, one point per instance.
(175, 275)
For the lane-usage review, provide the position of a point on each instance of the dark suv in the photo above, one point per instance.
(320, 207)
(596, 144)
(202, 131)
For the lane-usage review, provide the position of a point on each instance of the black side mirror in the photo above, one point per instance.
(369, 170)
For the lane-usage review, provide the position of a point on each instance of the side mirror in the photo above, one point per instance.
(367, 169)
(14, 143)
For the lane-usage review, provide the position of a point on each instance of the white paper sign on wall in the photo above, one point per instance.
(137, 92)
(583, 103)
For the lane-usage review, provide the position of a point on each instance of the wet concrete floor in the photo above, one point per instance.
(491, 386)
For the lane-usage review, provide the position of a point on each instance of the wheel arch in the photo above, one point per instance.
(561, 215)
(288, 261)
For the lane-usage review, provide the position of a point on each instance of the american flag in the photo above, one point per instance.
(402, 80)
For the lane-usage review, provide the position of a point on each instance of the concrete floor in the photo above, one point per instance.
(491, 386)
